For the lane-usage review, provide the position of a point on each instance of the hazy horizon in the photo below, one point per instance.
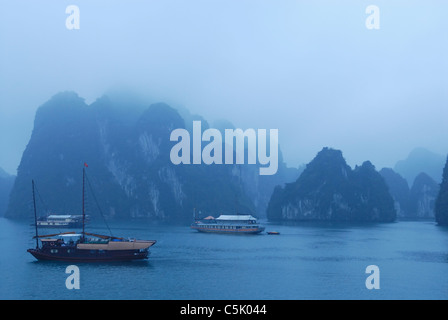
(311, 70)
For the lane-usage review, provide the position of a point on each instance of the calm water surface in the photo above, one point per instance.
(307, 261)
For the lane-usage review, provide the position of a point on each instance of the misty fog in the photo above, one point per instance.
(310, 69)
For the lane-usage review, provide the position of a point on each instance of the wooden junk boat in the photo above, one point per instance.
(87, 247)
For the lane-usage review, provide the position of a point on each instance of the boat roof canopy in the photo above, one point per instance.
(60, 216)
(65, 216)
(54, 234)
(236, 217)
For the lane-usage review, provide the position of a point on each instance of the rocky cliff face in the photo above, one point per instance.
(127, 150)
(328, 189)
(441, 206)
(423, 195)
(418, 202)
(6, 183)
(399, 190)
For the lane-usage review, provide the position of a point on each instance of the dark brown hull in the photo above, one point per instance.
(89, 255)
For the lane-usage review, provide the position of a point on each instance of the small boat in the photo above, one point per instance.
(87, 247)
(236, 224)
(273, 232)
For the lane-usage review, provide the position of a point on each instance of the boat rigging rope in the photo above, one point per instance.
(41, 200)
(99, 208)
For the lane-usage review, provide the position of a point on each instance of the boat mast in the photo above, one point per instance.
(83, 207)
(35, 215)
(236, 194)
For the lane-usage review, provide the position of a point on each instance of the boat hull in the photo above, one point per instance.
(219, 229)
(89, 255)
(59, 225)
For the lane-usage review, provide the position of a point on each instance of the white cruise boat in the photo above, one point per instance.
(239, 224)
(60, 221)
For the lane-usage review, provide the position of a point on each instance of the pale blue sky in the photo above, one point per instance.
(308, 68)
